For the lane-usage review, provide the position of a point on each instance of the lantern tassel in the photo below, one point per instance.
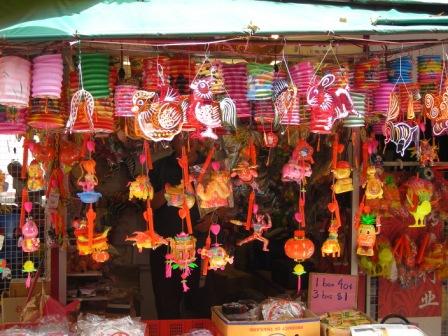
(91, 215)
(23, 173)
(22, 208)
(28, 281)
(168, 270)
(299, 284)
(250, 210)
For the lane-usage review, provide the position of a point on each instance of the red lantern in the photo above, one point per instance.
(299, 248)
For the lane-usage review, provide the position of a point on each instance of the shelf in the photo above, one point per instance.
(85, 274)
(89, 298)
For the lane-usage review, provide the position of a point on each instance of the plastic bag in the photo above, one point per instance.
(276, 309)
(94, 325)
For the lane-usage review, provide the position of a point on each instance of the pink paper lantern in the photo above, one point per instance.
(48, 71)
(15, 80)
(123, 100)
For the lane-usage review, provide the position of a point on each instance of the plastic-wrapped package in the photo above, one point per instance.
(276, 309)
(243, 310)
(53, 325)
(94, 325)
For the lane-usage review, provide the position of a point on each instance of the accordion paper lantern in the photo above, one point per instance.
(45, 114)
(260, 81)
(155, 73)
(403, 65)
(12, 120)
(235, 79)
(181, 73)
(15, 81)
(123, 100)
(102, 120)
(48, 71)
(359, 102)
(95, 74)
(301, 74)
(429, 73)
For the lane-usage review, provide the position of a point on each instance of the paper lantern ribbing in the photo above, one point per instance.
(301, 74)
(123, 100)
(155, 73)
(400, 66)
(15, 81)
(359, 103)
(95, 74)
(235, 78)
(47, 76)
(260, 81)
(429, 70)
(12, 120)
(181, 73)
(45, 114)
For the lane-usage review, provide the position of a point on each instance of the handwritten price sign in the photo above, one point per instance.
(332, 292)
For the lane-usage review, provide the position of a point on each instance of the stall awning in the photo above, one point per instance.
(184, 18)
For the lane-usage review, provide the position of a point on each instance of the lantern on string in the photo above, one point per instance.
(95, 74)
(153, 77)
(401, 134)
(368, 228)
(123, 99)
(261, 222)
(87, 241)
(29, 241)
(214, 256)
(35, 180)
(235, 79)
(430, 73)
(331, 246)
(299, 249)
(359, 104)
(436, 109)
(12, 120)
(302, 73)
(15, 81)
(159, 119)
(48, 71)
(45, 114)
(88, 180)
(181, 72)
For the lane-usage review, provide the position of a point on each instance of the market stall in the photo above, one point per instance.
(242, 175)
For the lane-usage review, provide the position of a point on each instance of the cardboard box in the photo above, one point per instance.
(12, 308)
(307, 326)
(327, 330)
(18, 289)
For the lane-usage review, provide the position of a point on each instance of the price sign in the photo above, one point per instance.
(332, 292)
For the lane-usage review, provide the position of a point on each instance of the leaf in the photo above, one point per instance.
(192, 265)
(175, 267)
(368, 219)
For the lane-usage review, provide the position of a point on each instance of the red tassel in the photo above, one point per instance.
(250, 210)
(365, 162)
(299, 284)
(91, 215)
(168, 270)
(24, 172)
(188, 218)
(207, 162)
(22, 207)
(147, 155)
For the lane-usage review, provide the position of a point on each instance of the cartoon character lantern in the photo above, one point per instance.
(261, 222)
(418, 196)
(181, 255)
(367, 233)
(373, 185)
(141, 188)
(343, 181)
(98, 248)
(214, 256)
(29, 242)
(299, 165)
(35, 177)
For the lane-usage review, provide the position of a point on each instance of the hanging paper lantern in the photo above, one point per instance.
(359, 104)
(328, 103)
(302, 74)
(373, 184)
(436, 109)
(98, 244)
(214, 256)
(401, 134)
(160, 119)
(12, 120)
(15, 81)
(331, 246)
(123, 100)
(35, 180)
(95, 74)
(369, 228)
(235, 78)
(45, 114)
(400, 70)
(29, 241)
(181, 255)
(429, 73)
(261, 222)
(299, 249)
(181, 73)
(367, 74)
(155, 73)
(259, 81)
(48, 71)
